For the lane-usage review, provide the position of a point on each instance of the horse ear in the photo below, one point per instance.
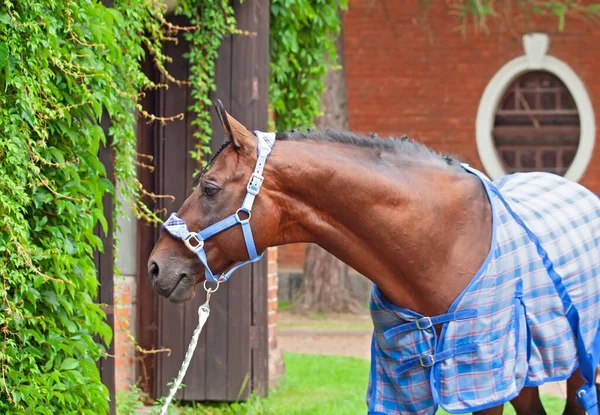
(238, 134)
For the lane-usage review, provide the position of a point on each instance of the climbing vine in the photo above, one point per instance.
(211, 21)
(476, 14)
(65, 66)
(302, 44)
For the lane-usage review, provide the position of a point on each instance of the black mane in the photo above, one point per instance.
(402, 145)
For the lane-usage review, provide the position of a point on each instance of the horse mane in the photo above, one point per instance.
(403, 145)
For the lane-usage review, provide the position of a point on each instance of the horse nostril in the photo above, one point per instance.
(153, 272)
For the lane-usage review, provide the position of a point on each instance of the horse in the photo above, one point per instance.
(426, 230)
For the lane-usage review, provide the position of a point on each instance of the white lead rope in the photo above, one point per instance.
(203, 313)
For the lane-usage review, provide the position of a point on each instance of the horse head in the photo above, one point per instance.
(223, 222)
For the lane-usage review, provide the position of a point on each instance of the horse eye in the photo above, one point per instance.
(210, 190)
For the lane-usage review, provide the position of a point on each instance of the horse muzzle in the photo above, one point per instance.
(175, 280)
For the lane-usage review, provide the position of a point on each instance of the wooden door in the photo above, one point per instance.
(104, 262)
(231, 358)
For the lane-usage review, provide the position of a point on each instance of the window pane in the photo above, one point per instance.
(566, 101)
(537, 126)
(508, 102)
(548, 100)
(549, 159)
(509, 157)
(567, 157)
(527, 101)
(527, 159)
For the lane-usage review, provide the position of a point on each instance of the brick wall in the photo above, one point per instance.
(425, 79)
(291, 257)
(276, 367)
(124, 298)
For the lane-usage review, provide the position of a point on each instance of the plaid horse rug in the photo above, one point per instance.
(520, 322)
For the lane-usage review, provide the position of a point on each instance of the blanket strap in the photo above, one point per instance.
(430, 360)
(428, 322)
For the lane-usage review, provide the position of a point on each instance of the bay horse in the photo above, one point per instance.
(420, 226)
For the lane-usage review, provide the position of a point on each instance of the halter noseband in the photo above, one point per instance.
(194, 241)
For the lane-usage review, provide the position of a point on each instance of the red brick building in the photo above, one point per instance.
(410, 71)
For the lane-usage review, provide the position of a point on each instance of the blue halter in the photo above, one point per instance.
(195, 240)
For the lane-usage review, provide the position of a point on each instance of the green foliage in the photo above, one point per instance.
(63, 64)
(216, 19)
(129, 401)
(302, 41)
(480, 11)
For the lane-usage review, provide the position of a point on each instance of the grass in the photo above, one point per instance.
(320, 385)
(283, 305)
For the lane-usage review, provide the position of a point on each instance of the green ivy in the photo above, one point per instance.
(216, 19)
(479, 12)
(64, 64)
(302, 41)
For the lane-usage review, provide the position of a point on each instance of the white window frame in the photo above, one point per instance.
(535, 59)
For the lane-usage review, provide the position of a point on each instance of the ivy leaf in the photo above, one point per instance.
(69, 364)
(71, 327)
(97, 109)
(593, 9)
(105, 332)
(3, 54)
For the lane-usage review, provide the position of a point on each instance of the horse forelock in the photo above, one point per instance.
(198, 176)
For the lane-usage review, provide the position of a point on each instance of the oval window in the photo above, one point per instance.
(537, 126)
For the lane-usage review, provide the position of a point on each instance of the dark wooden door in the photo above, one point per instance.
(231, 358)
(104, 262)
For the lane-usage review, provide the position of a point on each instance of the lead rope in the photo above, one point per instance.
(203, 313)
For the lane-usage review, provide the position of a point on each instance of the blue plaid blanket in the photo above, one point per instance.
(508, 328)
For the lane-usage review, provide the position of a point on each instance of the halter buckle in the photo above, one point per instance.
(254, 184)
(427, 323)
(239, 219)
(199, 242)
(427, 361)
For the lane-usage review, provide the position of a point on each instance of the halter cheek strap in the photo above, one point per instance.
(194, 241)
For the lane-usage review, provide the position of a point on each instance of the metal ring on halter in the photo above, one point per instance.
(240, 220)
(211, 290)
(199, 242)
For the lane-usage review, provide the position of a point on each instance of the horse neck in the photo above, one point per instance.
(418, 229)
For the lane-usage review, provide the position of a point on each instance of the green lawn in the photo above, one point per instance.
(320, 385)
